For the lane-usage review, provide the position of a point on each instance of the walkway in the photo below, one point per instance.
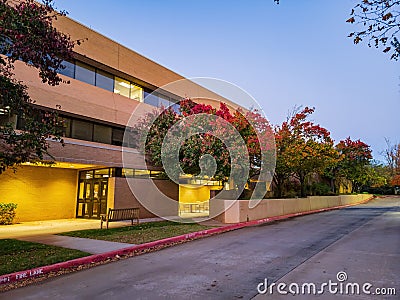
(362, 241)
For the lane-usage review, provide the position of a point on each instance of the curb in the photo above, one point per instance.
(155, 245)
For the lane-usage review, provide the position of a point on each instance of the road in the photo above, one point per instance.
(363, 241)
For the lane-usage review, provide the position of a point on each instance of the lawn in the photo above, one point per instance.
(18, 255)
(139, 234)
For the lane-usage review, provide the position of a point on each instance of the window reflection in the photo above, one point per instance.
(85, 73)
(104, 80)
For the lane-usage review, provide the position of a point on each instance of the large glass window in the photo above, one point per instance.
(164, 101)
(102, 134)
(69, 69)
(122, 87)
(82, 130)
(104, 80)
(150, 99)
(136, 93)
(85, 73)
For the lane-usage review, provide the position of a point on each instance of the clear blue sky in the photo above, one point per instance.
(294, 53)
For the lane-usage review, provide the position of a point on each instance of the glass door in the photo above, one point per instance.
(92, 198)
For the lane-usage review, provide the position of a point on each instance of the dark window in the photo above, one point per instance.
(66, 127)
(82, 130)
(105, 80)
(102, 134)
(69, 69)
(117, 136)
(130, 138)
(85, 73)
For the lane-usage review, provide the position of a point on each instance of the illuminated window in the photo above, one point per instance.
(122, 87)
(136, 93)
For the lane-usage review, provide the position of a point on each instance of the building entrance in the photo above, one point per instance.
(92, 198)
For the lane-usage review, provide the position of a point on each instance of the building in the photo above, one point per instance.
(107, 83)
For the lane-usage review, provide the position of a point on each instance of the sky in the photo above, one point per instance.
(291, 54)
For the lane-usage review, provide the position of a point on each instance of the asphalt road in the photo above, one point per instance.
(363, 241)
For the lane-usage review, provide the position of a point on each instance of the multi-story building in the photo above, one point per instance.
(108, 82)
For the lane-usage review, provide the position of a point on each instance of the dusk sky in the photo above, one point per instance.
(294, 53)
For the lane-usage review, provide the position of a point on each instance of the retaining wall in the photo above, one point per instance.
(235, 211)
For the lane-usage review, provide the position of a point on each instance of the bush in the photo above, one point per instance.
(320, 189)
(7, 213)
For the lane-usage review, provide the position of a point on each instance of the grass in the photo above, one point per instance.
(139, 234)
(18, 255)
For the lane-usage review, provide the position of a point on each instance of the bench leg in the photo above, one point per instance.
(107, 224)
(101, 224)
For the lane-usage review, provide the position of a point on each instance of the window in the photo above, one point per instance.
(102, 134)
(131, 138)
(117, 137)
(136, 93)
(164, 101)
(81, 130)
(66, 127)
(104, 80)
(102, 173)
(69, 69)
(122, 87)
(150, 99)
(85, 73)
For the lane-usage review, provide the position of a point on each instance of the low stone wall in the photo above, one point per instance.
(235, 211)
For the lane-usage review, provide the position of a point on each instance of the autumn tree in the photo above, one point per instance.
(380, 21)
(392, 158)
(303, 149)
(357, 156)
(217, 142)
(27, 35)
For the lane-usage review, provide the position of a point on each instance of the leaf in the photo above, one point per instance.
(351, 20)
(387, 49)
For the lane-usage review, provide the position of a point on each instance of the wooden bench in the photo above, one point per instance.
(120, 214)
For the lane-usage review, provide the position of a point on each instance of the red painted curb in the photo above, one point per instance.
(22, 275)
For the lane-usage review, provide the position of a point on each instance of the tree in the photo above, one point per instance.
(381, 24)
(357, 156)
(392, 158)
(211, 143)
(303, 149)
(27, 35)
(380, 20)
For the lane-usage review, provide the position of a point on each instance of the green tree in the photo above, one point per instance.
(27, 35)
(354, 165)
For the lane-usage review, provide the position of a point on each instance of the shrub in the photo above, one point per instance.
(7, 213)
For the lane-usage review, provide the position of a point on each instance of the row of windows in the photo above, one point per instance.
(95, 132)
(121, 172)
(92, 131)
(94, 76)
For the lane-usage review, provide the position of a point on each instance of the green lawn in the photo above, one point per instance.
(18, 255)
(138, 234)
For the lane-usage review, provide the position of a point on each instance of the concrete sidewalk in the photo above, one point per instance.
(44, 232)
(87, 245)
(25, 229)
